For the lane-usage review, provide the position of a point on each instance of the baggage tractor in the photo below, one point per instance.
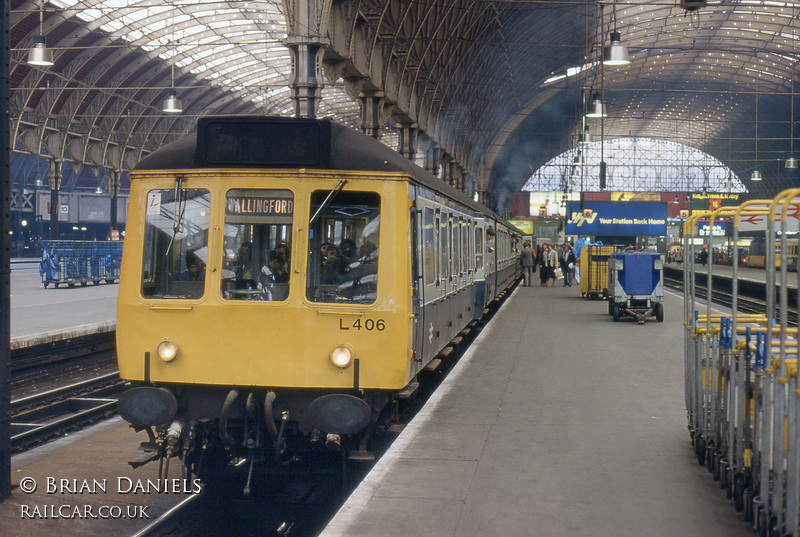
(636, 286)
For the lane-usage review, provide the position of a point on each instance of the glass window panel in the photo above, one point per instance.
(343, 248)
(175, 243)
(428, 252)
(257, 244)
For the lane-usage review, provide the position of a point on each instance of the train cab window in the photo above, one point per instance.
(343, 247)
(175, 243)
(257, 244)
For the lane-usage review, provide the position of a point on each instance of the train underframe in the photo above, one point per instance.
(214, 429)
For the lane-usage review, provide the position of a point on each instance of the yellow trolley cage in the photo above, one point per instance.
(594, 270)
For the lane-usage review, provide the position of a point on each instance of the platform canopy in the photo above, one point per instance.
(499, 87)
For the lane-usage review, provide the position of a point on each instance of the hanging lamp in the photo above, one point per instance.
(791, 162)
(39, 55)
(615, 53)
(172, 105)
(596, 108)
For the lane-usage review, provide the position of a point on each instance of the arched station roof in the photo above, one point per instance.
(499, 85)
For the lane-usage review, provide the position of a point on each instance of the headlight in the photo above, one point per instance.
(341, 357)
(167, 351)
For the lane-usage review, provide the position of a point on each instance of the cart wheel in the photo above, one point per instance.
(615, 311)
(660, 312)
(738, 492)
(700, 450)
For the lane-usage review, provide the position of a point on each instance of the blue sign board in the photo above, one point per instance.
(720, 229)
(618, 218)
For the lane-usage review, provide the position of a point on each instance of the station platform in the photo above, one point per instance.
(748, 274)
(40, 315)
(81, 485)
(558, 422)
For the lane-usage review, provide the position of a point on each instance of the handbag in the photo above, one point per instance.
(571, 266)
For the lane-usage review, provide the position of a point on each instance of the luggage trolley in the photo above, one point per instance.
(636, 285)
(594, 270)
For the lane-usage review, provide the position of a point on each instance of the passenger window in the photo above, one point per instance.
(478, 248)
(175, 243)
(343, 247)
(257, 245)
(428, 252)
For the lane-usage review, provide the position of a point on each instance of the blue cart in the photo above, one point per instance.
(636, 286)
(79, 262)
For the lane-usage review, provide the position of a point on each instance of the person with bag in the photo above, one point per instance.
(568, 265)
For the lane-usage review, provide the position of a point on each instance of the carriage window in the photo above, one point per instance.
(175, 243)
(478, 248)
(343, 247)
(257, 244)
(428, 251)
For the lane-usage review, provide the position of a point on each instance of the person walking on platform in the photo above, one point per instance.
(567, 265)
(552, 263)
(541, 259)
(528, 260)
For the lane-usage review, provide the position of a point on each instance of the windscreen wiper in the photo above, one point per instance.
(328, 199)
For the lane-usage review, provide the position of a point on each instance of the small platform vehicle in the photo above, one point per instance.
(636, 286)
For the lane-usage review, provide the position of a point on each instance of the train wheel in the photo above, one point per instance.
(660, 312)
(615, 313)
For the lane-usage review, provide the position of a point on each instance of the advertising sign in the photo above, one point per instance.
(713, 201)
(622, 219)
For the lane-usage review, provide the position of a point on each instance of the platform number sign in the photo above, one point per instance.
(64, 209)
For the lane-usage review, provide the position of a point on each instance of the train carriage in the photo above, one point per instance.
(283, 279)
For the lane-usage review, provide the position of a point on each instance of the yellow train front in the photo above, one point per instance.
(276, 288)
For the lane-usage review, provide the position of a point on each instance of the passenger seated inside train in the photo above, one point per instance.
(275, 275)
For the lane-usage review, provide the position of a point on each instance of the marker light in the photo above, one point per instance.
(341, 357)
(167, 351)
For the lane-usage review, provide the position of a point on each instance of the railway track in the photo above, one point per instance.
(41, 417)
(745, 303)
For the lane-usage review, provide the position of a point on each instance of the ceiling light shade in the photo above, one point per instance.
(615, 53)
(40, 55)
(586, 137)
(596, 109)
(98, 190)
(791, 163)
(172, 105)
(578, 160)
(756, 176)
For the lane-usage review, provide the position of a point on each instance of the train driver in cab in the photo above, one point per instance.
(195, 266)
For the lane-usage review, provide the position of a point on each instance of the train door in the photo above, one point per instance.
(426, 279)
(479, 235)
